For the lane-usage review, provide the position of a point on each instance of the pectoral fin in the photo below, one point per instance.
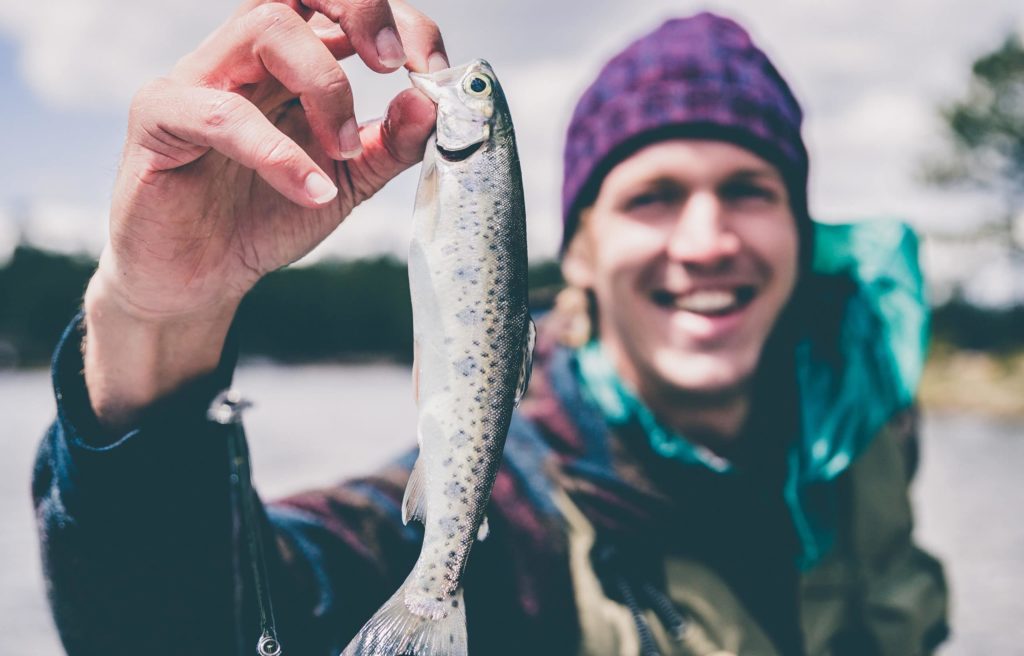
(529, 341)
(414, 503)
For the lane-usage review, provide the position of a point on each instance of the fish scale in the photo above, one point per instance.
(474, 339)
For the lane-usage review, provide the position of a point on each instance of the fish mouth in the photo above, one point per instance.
(460, 154)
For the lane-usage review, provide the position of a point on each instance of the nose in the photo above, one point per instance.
(701, 235)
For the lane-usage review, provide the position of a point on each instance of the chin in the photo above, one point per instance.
(704, 373)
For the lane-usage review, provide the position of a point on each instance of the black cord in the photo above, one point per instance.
(648, 647)
(666, 610)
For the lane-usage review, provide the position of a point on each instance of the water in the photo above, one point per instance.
(313, 425)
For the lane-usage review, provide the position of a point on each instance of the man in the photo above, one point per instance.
(719, 466)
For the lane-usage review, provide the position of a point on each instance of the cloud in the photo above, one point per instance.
(95, 53)
(9, 235)
(62, 226)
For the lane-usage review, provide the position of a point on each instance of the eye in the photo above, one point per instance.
(652, 197)
(747, 191)
(477, 85)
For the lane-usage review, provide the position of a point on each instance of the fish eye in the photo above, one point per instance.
(477, 85)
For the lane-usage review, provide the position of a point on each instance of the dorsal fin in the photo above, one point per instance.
(529, 341)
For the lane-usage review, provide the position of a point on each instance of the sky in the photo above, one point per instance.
(869, 74)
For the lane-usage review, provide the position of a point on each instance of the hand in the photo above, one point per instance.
(241, 161)
(248, 155)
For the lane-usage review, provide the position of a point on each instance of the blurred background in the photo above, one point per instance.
(915, 110)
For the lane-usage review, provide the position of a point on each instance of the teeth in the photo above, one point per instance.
(706, 301)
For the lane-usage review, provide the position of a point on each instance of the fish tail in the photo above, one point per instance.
(413, 625)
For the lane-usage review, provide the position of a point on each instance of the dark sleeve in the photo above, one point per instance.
(139, 545)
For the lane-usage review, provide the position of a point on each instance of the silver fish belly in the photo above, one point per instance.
(473, 339)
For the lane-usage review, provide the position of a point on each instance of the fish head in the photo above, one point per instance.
(469, 102)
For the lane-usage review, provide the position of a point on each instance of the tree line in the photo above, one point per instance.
(333, 310)
(352, 310)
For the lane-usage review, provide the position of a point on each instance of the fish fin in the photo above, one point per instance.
(426, 210)
(416, 371)
(414, 503)
(484, 530)
(529, 341)
(413, 625)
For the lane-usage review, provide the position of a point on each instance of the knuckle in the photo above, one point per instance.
(272, 15)
(366, 5)
(422, 24)
(277, 154)
(221, 110)
(146, 98)
(149, 91)
(333, 82)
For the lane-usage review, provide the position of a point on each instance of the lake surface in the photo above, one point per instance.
(315, 424)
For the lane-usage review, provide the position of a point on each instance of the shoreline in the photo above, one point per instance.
(975, 382)
(954, 380)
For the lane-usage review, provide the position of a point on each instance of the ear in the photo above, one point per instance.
(578, 260)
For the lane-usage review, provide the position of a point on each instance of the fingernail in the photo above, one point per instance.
(436, 62)
(348, 139)
(319, 189)
(327, 31)
(389, 49)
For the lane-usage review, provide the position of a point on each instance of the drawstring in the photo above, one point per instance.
(622, 574)
(666, 610)
(227, 409)
(647, 645)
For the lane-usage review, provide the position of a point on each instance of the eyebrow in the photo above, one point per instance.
(752, 173)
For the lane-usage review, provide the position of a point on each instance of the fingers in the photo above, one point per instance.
(293, 55)
(371, 30)
(272, 43)
(236, 128)
(420, 37)
(393, 144)
(270, 48)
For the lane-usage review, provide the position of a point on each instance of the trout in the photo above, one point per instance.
(473, 347)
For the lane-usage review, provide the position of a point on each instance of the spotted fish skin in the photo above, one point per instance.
(473, 339)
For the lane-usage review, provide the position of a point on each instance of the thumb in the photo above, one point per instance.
(393, 144)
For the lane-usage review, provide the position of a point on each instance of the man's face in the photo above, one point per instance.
(691, 252)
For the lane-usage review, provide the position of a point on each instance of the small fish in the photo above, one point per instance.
(473, 347)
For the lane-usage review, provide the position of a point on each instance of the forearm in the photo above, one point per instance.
(131, 359)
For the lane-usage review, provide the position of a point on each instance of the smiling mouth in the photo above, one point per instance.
(459, 155)
(707, 302)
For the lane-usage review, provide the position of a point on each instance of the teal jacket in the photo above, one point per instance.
(854, 371)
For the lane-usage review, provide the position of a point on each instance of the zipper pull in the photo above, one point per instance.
(227, 409)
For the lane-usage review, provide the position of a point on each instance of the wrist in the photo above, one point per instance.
(134, 357)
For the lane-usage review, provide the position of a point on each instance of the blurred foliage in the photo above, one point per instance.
(986, 127)
(967, 327)
(985, 149)
(39, 292)
(333, 310)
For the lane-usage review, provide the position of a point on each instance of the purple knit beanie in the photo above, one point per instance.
(698, 77)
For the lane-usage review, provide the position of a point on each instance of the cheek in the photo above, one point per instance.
(775, 243)
(626, 247)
